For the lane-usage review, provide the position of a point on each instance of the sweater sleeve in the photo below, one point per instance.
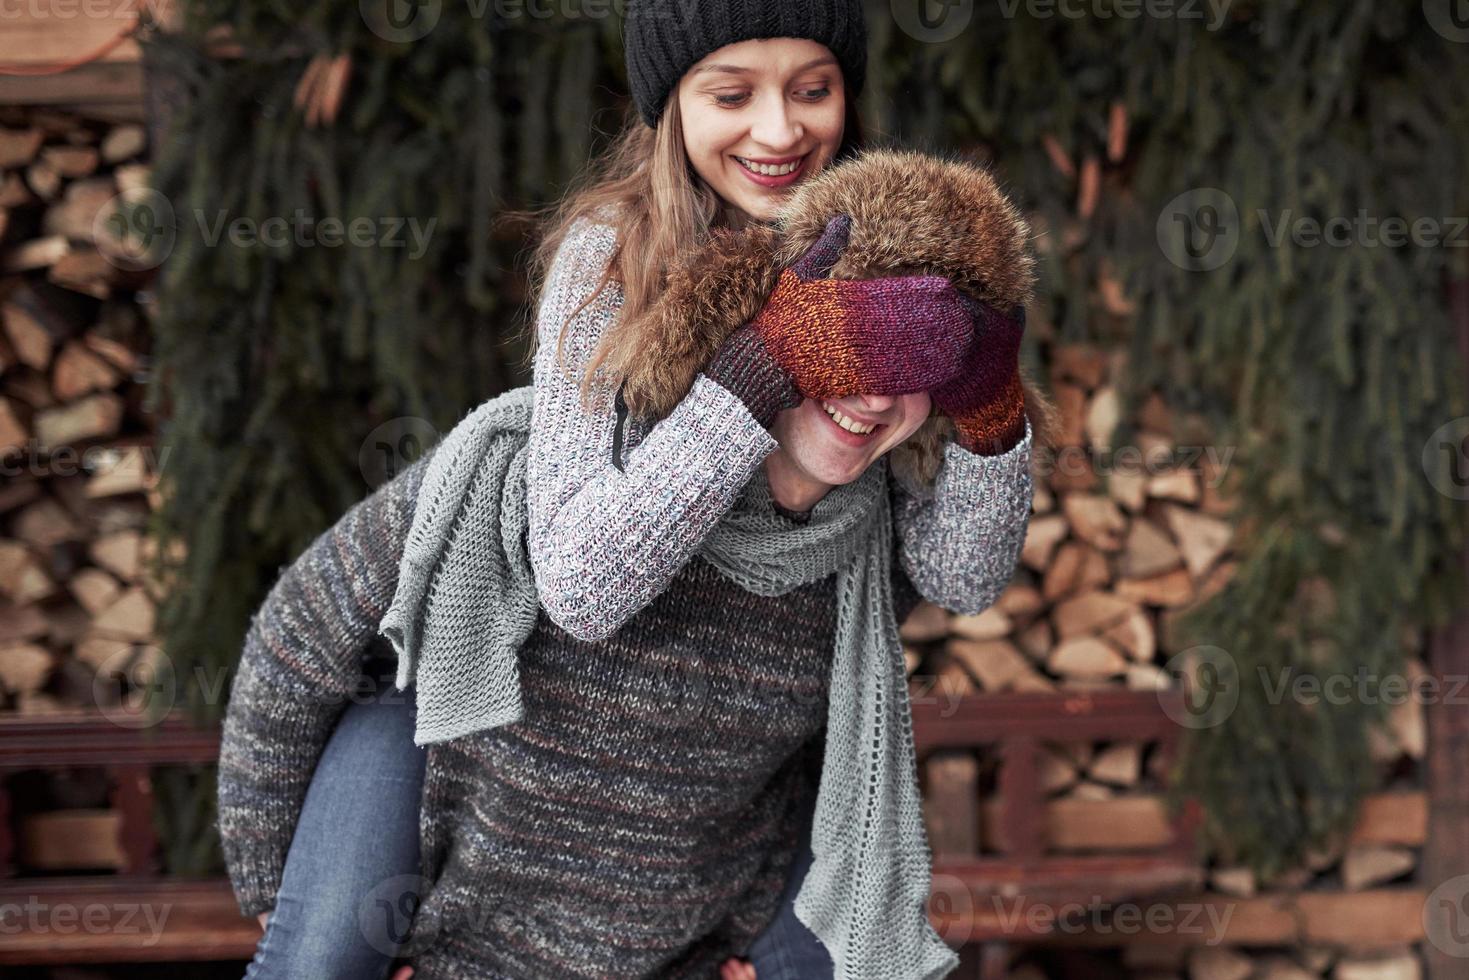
(959, 544)
(604, 542)
(302, 660)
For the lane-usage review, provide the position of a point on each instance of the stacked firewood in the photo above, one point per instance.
(76, 600)
(1123, 541)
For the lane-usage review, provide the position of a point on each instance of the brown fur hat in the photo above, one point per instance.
(912, 213)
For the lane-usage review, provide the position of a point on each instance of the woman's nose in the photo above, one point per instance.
(774, 126)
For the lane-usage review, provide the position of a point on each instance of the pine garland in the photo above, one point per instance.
(1327, 368)
(276, 363)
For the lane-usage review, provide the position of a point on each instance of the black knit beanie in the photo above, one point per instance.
(663, 39)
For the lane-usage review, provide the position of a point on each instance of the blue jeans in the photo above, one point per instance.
(351, 882)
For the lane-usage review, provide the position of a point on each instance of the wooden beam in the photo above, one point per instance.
(1059, 717)
(35, 37)
(105, 83)
(82, 739)
(1445, 863)
(1022, 824)
(133, 920)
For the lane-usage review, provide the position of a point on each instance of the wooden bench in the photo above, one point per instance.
(984, 900)
(135, 915)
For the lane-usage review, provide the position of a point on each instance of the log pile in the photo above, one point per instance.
(76, 600)
(1123, 541)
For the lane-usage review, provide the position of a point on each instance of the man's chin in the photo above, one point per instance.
(840, 472)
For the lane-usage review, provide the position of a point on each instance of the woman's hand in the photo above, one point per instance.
(749, 363)
(404, 973)
(744, 367)
(734, 968)
(818, 337)
(985, 397)
(887, 336)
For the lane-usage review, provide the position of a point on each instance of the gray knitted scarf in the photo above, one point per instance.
(466, 602)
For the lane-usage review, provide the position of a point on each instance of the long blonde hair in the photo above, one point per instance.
(659, 206)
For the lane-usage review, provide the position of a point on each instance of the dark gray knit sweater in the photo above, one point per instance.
(641, 820)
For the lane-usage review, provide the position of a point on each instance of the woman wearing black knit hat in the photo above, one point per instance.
(648, 812)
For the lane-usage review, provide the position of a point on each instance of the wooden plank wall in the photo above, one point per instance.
(42, 34)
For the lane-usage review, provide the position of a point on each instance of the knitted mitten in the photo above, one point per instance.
(746, 363)
(985, 398)
(827, 338)
(884, 336)
(743, 365)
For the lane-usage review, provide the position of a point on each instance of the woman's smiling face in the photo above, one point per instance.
(773, 103)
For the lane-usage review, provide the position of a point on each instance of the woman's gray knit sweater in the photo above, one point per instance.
(641, 820)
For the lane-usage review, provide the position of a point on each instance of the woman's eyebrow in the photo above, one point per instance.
(742, 70)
